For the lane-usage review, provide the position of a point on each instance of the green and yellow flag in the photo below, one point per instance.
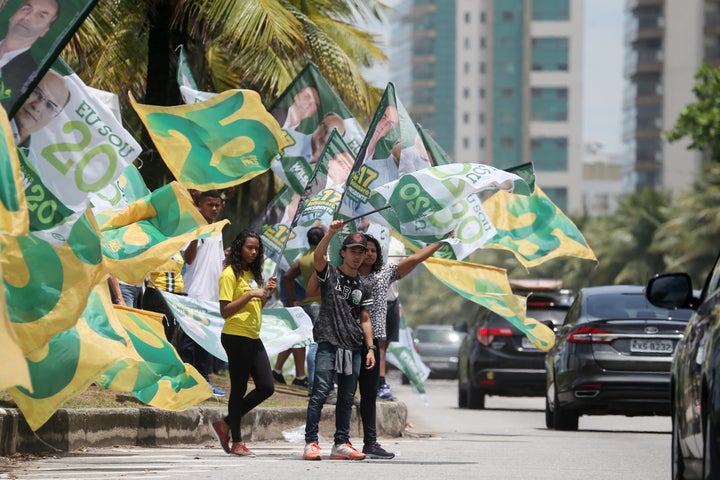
(223, 141)
(141, 237)
(72, 360)
(47, 286)
(14, 218)
(157, 376)
(489, 287)
(534, 229)
(15, 370)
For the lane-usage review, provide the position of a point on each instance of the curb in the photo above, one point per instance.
(72, 429)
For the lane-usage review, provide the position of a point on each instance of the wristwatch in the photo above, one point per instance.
(372, 347)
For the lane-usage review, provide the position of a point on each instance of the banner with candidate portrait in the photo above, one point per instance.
(14, 218)
(33, 33)
(392, 148)
(70, 146)
(308, 111)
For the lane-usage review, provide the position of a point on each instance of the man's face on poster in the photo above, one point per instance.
(306, 102)
(387, 122)
(33, 19)
(44, 103)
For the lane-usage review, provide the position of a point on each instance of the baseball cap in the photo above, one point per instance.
(356, 239)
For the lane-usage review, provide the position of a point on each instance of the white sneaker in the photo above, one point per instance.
(345, 451)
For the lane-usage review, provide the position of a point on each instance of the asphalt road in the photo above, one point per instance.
(507, 440)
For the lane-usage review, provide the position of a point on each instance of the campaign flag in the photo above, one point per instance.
(489, 287)
(14, 218)
(155, 375)
(201, 320)
(36, 44)
(47, 287)
(15, 370)
(402, 354)
(438, 156)
(70, 146)
(308, 111)
(184, 74)
(143, 236)
(223, 141)
(534, 229)
(285, 239)
(72, 360)
(391, 149)
(427, 204)
(117, 195)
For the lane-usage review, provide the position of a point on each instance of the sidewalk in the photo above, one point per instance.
(71, 429)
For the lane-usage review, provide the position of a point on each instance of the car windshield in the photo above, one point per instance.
(437, 336)
(630, 306)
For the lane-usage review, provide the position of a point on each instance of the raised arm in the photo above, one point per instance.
(407, 265)
(320, 256)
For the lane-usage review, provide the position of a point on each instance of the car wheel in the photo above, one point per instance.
(475, 398)
(711, 463)
(677, 464)
(405, 380)
(462, 396)
(564, 419)
(549, 415)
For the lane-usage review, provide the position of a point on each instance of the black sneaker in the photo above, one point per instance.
(278, 377)
(377, 452)
(301, 382)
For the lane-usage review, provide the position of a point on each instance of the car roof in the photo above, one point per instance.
(607, 289)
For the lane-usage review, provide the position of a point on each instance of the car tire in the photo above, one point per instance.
(475, 398)
(677, 464)
(462, 396)
(563, 418)
(549, 415)
(711, 460)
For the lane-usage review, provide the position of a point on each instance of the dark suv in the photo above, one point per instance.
(497, 359)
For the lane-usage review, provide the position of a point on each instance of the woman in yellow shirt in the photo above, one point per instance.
(242, 298)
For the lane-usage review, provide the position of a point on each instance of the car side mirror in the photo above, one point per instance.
(670, 290)
(460, 326)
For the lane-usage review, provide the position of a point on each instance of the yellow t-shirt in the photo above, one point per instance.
(246, 322)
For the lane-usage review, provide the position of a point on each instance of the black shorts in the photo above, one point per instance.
(392, 323)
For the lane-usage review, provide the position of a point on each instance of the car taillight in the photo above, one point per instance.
(486, 335)
(588, 335)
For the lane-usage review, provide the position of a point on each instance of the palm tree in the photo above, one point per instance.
(128, 46)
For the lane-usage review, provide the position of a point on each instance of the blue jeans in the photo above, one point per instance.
(322, 385)
(132, 294)
(312, 311)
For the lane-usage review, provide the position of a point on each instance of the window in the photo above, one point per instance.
(549, 104)
(466, 118)
(466, 67)
(551, 10)
(506, 142)
(466, 16)
(482, 42)
(466, 93)
(482, 118)
(466, 142)
(482, 142)
(549, 154)
(507, 16)
(507, 92)
(550, 54)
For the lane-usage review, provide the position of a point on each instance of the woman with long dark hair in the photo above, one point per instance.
(242, 297)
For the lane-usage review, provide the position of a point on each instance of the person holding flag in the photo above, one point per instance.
(242, 297)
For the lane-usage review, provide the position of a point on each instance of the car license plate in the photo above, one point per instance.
(527, 344)
(651, 346)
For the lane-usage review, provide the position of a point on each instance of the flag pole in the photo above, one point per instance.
(367, 213)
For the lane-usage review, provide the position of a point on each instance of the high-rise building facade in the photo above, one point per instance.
(666, 42)
(497, 82)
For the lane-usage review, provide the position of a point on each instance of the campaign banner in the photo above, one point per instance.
(15, 369)
(29, 47)
(156, 375)
(490, 287)
(46, 286)
(14, 219)
(402, 354)
(70, 145)
(391, 149)
(223, 141)
(282, 328)
(534, 229)
(117, 195)
(308, 111)
(72, 360)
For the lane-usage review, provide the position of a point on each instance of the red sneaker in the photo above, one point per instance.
(222, 432)
(312, 452)
(239, 448)
(345, 451)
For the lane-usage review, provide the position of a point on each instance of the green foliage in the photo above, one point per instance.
(700, 120)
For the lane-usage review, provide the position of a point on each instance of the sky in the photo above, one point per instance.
(603, 61)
